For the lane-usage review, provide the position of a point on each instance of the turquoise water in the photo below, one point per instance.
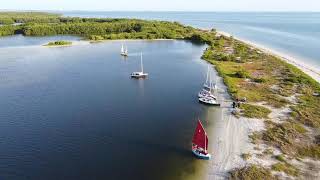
(296, 34)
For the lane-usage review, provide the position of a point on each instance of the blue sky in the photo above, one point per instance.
(162, 5)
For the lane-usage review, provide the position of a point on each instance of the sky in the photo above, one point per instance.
(163, 5)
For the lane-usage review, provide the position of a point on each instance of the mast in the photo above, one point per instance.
(210, 83)
(207, 75)
(141, 63)
(205, 142)
(122, 49)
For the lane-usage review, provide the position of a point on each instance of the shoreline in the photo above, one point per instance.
(230, 137)
(239, 148)
(306, 68)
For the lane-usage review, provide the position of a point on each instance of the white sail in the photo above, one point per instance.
(141, 63)
(122, 49)
(207, 79)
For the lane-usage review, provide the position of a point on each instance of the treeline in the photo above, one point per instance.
(114, 29)
(25, 17)
(9, 30)
(43, 24)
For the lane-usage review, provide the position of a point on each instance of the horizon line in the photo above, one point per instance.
(150, 11)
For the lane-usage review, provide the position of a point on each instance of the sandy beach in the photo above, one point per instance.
(230, 135)
(299, 63)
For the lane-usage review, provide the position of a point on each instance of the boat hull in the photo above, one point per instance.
(138, 76)
(208, 102)
(200, 155)
(205, 95)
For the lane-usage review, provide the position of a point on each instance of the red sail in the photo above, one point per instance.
(200, 137)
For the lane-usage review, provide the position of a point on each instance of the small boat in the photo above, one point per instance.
(200, 142)
(204, 93)
(140, 74)
(209, 101)
(124, 51)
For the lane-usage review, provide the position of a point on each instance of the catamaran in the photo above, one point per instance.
(140, 74)
(200, 142)
(124, 50)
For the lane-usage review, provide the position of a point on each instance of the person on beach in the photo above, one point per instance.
(233, 105)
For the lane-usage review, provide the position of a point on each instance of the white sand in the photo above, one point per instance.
(229, 138)
(301, 64)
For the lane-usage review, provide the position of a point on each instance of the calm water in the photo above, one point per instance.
(296, 34)
(74, 113)
(22, 41)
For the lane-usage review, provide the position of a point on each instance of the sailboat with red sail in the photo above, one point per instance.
(200, 142)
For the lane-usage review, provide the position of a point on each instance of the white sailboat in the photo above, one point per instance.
(206, 85)
(124, 50)
(206, 96)
(140, 74)
(206, 92)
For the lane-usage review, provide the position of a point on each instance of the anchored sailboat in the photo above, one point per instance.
(206, 92)
(205, 95)
(200, 142)
(140, 74)
(124, 50)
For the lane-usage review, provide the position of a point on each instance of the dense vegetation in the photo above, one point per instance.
(42, 24)
(59, 43)
(25, 17)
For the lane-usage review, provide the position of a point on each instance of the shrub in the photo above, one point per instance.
(254, 111)
(59, 43)
(285, 167)
(246, 156)
(251, 172)
(242, 74)
(312, 151)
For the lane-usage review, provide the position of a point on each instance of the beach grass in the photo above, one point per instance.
(251, 172)
(254, 111)
(286, 168)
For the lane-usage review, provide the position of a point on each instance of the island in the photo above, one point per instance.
(282, 98)
(59, 43)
